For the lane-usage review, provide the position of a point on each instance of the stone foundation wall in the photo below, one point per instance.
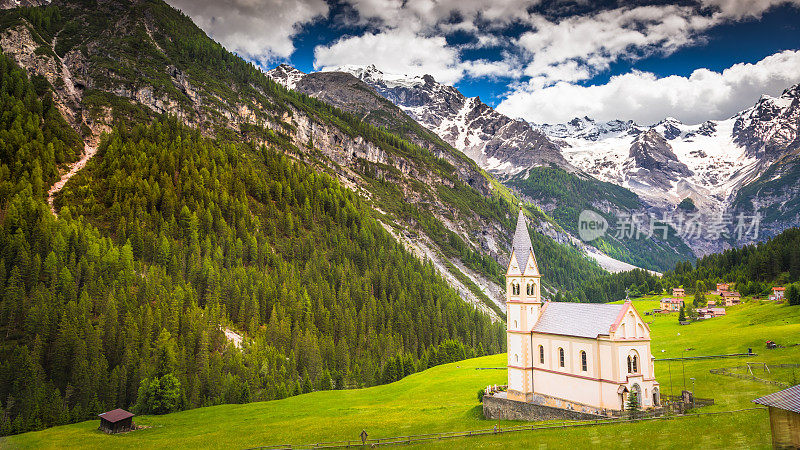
(498, 407)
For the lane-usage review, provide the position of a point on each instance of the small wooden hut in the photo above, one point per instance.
(784, 416)
(116, 421)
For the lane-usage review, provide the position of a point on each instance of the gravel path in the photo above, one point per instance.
(88, 153)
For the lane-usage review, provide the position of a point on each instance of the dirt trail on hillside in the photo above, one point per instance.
(88, 152)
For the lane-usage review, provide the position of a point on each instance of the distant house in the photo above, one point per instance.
(731, 298)
(712, 303)
(784, 416)
(721, 287)
(778, 293)
(671, 304)
(116, 421)
(708, 313)
(678, 292)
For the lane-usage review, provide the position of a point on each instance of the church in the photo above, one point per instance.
(577, 356)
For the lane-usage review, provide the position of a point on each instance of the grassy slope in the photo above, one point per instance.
(443, 399)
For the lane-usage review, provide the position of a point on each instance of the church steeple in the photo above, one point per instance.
(522, 250)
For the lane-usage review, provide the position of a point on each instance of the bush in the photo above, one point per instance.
(481, 393)
(158, 395)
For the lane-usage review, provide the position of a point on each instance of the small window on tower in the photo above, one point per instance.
(584, 364)
(541, 354)
(561, 357)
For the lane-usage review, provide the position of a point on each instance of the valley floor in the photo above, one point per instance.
(444, 399)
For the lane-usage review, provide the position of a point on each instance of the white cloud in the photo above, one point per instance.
(738, 9)
(579, 47)
(395, 51)
(646, 99)
(424, 14)
(260, 30)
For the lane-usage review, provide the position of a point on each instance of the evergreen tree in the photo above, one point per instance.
(793, 294)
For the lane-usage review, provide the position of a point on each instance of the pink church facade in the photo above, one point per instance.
(572, 353)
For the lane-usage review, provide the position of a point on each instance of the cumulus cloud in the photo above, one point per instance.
(260, 30)
(738, 9)
(403, 51)
(425, 14)
(398, 51)
(646, 99)
(578, 47)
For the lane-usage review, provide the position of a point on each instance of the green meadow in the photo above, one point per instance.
(444, 399)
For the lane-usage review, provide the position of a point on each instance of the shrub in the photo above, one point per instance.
(158, 395)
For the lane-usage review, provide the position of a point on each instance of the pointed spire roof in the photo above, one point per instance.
(522, 242)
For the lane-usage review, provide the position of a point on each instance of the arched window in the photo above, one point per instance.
(584, 363)
(561, 357)
(516, 357)
(541, 354)
(515, 325)
(633, 362)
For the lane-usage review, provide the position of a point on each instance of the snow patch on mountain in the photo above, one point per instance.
(717, 164)
(286, 75)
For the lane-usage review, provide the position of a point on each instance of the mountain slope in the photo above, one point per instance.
(359, 99)
(434, 104)
(167, 240)
(129, 62)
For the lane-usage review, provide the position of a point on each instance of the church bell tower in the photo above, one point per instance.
(523, 305)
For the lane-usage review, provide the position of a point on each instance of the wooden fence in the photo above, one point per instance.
(421, 438)
(727, 372)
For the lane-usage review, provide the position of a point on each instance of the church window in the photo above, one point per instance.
(541, 354)
(561, 357)
(633, 362)
(515, 324)
(516, 357)
(584, 363)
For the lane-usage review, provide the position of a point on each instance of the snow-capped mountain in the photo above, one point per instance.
(718, 155)
(664, 163)
(708, 162)
(286, 75)
(499, 144)
(588, 129)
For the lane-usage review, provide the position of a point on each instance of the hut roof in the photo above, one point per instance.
(115, 415)
(788, 399)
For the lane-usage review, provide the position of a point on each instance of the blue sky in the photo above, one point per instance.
(541, 61)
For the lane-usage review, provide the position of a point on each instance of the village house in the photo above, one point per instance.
(671, 304)
(731, 298)
(778, 293)
(678, 292)
(572, 355)
(711, 303)
(709, 313)
(784, 416)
